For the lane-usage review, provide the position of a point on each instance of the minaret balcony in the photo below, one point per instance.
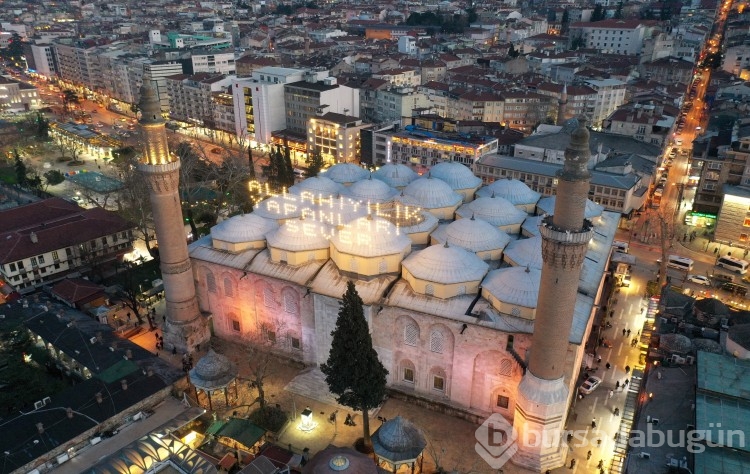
(572, 237)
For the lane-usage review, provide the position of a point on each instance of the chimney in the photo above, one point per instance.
(33, 237)
(69, 412)
(124, 383)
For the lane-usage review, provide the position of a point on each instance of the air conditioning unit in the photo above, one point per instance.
(46, 400)
(654, 421)
(690, 360)
(92, 340)
(62, 458)
(38, 405)
(95, 440)
(644, 455)
(663, 320)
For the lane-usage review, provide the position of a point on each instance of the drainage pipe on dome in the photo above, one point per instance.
(473, 303)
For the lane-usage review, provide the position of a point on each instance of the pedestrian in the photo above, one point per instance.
(588, 455)
(628, 332)
(626, 383)
(129, 316)
(174, 350)
(611, 393)
(623, 332)
(617, 385)
(601, 464)
(617, 411)
(164, 318)
(593, 423)
(599, 359)
(608, 365)
(627, 369)
(157, 335)
(572, 463)
(716, 250)
(638, 334)
(575, 416)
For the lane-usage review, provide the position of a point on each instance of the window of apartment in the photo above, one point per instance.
(408, 375)
(743, 237)
(12, 267)
(438, 383)
(235, 325)
(33, 261)
(296, 344)
(502, 401)
(55, 257)
(41, 259)
(747, 222)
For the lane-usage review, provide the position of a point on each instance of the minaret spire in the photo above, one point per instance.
(185, 327)
(562, 105)
(543, 393)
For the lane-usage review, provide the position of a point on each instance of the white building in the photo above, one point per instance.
(259, 108)
(610, 94)
(43, 58)
(736, 59)
(611, 36)
(407, 45)
(191, 97)
(213, 62)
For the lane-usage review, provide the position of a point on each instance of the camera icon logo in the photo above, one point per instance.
(496, 441)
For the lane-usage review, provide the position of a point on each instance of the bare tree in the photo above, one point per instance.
(260, 348)
(133, 201)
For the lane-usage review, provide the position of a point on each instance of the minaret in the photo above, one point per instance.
(562, 105)
(185, 327)
(542, 394)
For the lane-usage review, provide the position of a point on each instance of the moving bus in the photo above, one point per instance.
(733, 264)
(680, 263)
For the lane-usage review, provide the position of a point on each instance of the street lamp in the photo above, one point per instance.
(307, 423)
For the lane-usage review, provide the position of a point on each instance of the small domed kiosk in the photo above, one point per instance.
(399, 443)
(334, 460)
(239, 233)
(213, 373)
(444, 271)
(474, 235)
(300, 241)
(369, 247)
(345, 173)
(458, 177)
(513, 290)
(515, 191)
(495, 210)
(435, 196)
(395, 175)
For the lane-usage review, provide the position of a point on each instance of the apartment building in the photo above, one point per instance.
(613, 36)
(47, 240)
(575, 101)
(41, 59)
(479, 106)
(191, 97)
(213, 62)
(314, 96)
(259, 108)
(733, 221)
(524, 110)
(336, 137)
(610, 94)
(621, 193)
(644, 122)
(391, 104)
(668, 70)
(736, 58)
(722, 166)
(18, 96)
(401, 77)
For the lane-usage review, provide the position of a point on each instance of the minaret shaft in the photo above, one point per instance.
(185, 328)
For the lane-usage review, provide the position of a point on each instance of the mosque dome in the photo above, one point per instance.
(515, 191)
(530, 227)
(370, 237)
(398, 440)
(432, 193)
(317, 185)
(516, 286)
(525, 252)
(495, 210)
(243, 228)
(474, 235)
(336, 211)
(395, 175)
(300, 235)
(345, 173)
(456, 175)
(283, 206)
(547, 206)
(371, 190)
(445, 264)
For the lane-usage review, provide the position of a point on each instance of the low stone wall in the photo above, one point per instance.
(439, 407)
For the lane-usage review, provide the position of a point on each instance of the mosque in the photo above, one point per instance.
(449, 274)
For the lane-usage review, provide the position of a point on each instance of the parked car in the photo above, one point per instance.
(720, 277)
(699, 279)
(734, 288)
(589, 385)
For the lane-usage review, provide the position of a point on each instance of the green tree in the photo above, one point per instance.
(70, 98)
(20, 167)
(512, 53)
(273, 170)
(565, 22)
(54, 177)
(618, 12)
(353, 371)
(288, 168)
(598, 14)
(42, 126)
(577, 43)
(15, 47)
(314, 162)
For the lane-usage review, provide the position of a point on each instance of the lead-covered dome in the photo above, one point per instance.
(345, 173)
(474, 235)
(456, 175)
(395, 175)
(513, 290)
(525, 253)
(213, 371)
(239, 233)
(432, 193)
(317, 186)
(445, 265)
(281, 207)
(495, 210)
(547, 206)
(300, 235)
(371, 190)
(370, 237)
(515, 191)
(398, 440)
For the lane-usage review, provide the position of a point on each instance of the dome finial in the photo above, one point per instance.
(528, 269)
(446, 244)
(493, 194)
(472, 216)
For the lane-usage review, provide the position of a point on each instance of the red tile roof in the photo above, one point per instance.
(74, 290)
(57, 224)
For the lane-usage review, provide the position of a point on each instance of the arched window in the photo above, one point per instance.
(290, 303)
(436, 341)
(228, 290)
(210, 282)
(411, 334)
(408, 372)
(268, 297)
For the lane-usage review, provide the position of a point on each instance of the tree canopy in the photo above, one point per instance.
(353, 370)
